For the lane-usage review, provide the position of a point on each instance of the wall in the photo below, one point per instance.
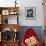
(25, 3)
(44, 12)
(39, 13)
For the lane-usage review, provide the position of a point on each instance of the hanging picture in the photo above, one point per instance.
(5, 12)
(30, 13)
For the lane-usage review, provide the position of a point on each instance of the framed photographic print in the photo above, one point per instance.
(5, 12)
(30, 13)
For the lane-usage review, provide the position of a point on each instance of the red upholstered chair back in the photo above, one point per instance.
(29, 33)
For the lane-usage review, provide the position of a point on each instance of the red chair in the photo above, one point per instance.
(29, 33)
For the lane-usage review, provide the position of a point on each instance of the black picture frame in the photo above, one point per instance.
(30, 13)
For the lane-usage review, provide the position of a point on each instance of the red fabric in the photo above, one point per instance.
(29, 33)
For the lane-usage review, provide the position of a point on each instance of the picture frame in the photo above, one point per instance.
(30, 13)
(13, 12)
(5, 12)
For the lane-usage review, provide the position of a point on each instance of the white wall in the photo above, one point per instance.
(39, 12)
(27, 3)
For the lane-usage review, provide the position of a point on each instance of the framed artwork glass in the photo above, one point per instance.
(30, 13)
(5, 12)
(10, 19)
(13, 20)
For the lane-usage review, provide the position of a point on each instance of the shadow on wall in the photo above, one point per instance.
(37, 29)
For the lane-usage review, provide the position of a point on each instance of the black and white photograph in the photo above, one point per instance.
(30, 12)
